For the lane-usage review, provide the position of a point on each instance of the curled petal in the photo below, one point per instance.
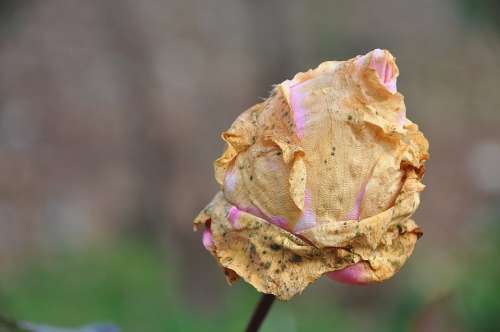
(384, 66)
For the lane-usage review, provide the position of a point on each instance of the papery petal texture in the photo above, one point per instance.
(320, 178)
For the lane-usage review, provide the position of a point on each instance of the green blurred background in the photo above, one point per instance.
(110, 113)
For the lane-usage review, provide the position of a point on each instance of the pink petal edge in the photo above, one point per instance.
(207, 239)
(308, 218)
(299, 113)
(353, 275)
(380, 63)
(234, 214)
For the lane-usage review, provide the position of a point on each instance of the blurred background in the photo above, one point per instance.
(110, 114)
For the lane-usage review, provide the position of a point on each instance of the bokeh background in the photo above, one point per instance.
(110, 114)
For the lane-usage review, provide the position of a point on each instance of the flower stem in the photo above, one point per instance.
(260, 312)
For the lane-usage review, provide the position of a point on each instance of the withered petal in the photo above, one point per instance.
(322, 176)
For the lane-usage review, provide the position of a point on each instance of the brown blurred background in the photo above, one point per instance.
(110, 114)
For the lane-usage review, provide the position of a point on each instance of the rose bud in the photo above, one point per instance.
(320, 178)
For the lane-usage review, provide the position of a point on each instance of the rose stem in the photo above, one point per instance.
(260, 312)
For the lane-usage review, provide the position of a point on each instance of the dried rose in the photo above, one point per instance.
(320, 178)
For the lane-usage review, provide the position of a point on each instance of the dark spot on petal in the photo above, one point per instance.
(296, 258)
(275, 247)
(400, 228)
(253, 250)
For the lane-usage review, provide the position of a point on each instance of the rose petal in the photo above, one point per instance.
(355, 275)
(308, 218)
(356, 210)
(207, 239)
(299, 113)
(234, 214)
(383, 66)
